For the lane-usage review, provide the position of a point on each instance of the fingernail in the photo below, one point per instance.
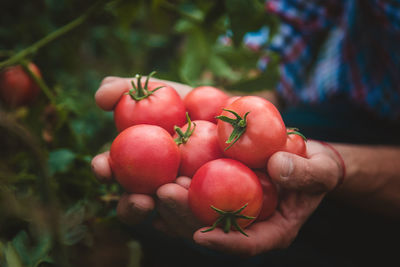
(286, 167)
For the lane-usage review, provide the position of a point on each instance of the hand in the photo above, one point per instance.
(175, 217)
(171, 199)
(303, 183)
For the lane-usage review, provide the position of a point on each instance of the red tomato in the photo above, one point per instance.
(258, 134)
(222, 189)
(144, 157)
(295, 143)
(205, 103)
(231, 100)
(162, 107)
(270, 196)
(198, 145)
(17, 88)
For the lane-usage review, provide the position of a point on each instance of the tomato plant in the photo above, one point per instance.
(205, 103)
(225, 191)
(17, 88)
(144, 157)
(295, 143)
(270, 196)
(250, 130)
(198, 145)
(152, 103)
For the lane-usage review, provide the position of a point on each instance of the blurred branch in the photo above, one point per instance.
(39, 81)
(23, 54)
(47, 193)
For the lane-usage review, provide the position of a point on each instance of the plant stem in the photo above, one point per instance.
(39, 81)
(32, 49)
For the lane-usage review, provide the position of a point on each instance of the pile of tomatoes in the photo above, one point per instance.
(223, 143)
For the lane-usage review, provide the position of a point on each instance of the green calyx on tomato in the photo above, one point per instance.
(239, 126)
(296, 131)
(139, 92)
(183, 137)
(228, 219)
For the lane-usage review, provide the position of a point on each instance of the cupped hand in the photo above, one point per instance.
(171, 200)
(303, 183)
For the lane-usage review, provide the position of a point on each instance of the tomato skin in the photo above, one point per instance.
(265, 132)
(231, 100)
(17, 88)
(144, 157)
(201, 147)
(228, 185)
(163, 108)
(205, 103)
(270, 196)
(295, 144)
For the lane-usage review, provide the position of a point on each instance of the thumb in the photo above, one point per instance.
(317, 174)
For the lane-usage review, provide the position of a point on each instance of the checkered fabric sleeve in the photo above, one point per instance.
(347, 48)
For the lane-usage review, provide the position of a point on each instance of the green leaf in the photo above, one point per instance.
(265, 81)
(60, 160)
(74, 235)
(221, 68)
(11, 256)
(195, 57)
(135, 254)
(72, 228)
(21, 250)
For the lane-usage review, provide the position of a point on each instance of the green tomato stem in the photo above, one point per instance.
(239, 126)
(229, 219)
(183, 137)
(139, 92)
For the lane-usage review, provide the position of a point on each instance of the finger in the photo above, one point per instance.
(162, 226)
(181, 89)
(175, 211)
(264, 236)
(174, 196)
(317, 174)
(110, 92)
(101, 167)
(183, 181)
(108, 79)
(134, 208)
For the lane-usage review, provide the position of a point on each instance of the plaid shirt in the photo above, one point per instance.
(347, 48)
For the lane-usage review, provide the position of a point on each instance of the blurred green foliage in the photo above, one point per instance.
(51, 206)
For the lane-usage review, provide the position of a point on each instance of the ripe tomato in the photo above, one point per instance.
(270, 196)
(254, 133)
(144, 157)
(205, 103)
(231, 100)
(198, 145)
(295, 143)
(225, 191)
(17, 88)
(152, 103)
